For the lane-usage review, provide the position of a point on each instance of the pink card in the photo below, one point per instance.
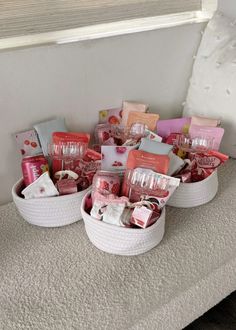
(176, 125)
(28, 143)
(110, 116)
(114, 158)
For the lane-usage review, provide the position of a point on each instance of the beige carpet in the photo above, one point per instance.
(56, 279)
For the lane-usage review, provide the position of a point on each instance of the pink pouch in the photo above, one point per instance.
(203, 121)
(177, 125)
(129, 107)
(207, 132)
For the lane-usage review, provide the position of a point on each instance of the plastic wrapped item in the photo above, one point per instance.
(194, 144)
(67, 156)
(103, 132)
(148, 119)
(143, 184)
(106, 183)
(124, 133)
(129, 107)
(206, 132)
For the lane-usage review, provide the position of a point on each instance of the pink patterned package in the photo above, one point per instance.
(168, 126)
(114, 158)
(216, 133)
(28, 143)
(110, 116)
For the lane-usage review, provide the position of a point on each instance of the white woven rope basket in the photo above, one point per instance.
(122, 241)
(196, 193)
(49, 211)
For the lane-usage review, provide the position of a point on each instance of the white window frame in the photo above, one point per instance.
(112, 29)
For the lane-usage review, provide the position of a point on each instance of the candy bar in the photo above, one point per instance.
(42, 187)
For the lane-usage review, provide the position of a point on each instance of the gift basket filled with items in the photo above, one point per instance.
(120, 180)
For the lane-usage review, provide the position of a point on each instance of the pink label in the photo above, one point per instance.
(208, 162)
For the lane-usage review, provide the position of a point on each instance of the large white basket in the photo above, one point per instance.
(196, 193)
(50, 211)
(120, 240)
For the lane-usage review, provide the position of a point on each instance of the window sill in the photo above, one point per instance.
(105, 30)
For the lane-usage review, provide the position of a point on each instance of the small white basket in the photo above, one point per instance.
(120, 240)
(49, 211)
(196, 193)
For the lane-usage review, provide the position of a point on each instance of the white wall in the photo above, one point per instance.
(228, 7)
(76, 80)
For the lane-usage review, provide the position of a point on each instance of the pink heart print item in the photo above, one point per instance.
(114, 158)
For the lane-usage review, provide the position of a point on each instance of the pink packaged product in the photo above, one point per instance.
(114, 158)
(206, 132)
(28, 143)
(157, 163)
(130, 107)
(177, 125)
(110, 116)
(203, 121)
(106, 183)
(143, 217)
(146, 185)
(103, 132)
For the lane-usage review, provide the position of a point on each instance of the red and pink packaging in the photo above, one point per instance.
(215, 133)
(67, 150)
(143, 217)
(169, 126)
(139, 158)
